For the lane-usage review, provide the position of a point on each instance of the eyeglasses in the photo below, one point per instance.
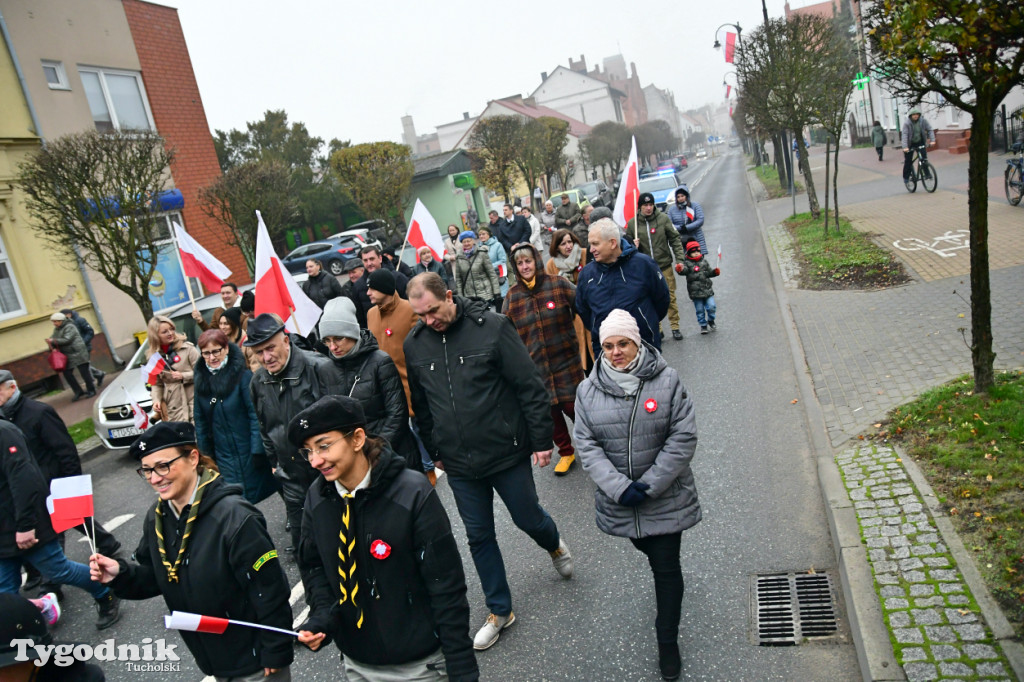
(212, 353)
(161, 469)
(306, 453)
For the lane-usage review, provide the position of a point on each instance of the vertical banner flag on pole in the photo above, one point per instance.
(277, 291)
(629, 186)
(730, 47)
(728, 89)
(198, 262)
(423, 231)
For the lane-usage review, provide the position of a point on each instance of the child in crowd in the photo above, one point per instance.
(698, 284)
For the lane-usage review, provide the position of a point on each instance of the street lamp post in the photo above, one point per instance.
(739, 32)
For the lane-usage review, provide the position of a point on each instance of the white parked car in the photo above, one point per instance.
(112, 415)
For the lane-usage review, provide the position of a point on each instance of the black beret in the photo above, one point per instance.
(22, 620)
(262, 328)
(645, 198)
(161, 436)
(330, 413)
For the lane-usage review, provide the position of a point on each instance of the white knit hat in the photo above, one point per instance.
(339, 319)
(620, 323)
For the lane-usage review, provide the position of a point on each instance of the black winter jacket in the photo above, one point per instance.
(413, 598)
(369, 375)
(279, 397)
(512, 232)
(46, 436)
(22, 493)
(84, 328)
(230, 570)
(479, 399)
(322, 288)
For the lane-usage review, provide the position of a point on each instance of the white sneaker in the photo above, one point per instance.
(562, 559)
(487, 635)
(50, 608)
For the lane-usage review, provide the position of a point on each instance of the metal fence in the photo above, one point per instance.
(1007, 127)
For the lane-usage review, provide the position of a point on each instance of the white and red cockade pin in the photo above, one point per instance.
(650, 404)
(696, 268)
(380, 549)
(12, 449)
(388, 332)
(551, 305)
(176, 359)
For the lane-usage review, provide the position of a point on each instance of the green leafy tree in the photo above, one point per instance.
(242, 190)
(91, 196)
(607, 146)
(972, 55)
(494, 149)
(378, 176)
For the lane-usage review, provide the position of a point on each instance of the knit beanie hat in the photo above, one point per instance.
(620, 323)
(339, 319)
(382, 280)
(468, 234)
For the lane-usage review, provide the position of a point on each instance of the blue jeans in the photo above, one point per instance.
(475, 499)
(50, 561)
(425, 460)
(702, 306)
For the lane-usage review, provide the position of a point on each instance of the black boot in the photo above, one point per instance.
(669, 661)
(110, 611)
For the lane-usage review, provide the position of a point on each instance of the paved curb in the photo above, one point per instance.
(864, 611)
(994, 616)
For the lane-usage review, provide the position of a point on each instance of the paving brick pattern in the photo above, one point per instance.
(936, 626)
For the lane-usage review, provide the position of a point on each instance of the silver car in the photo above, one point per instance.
(112, 415)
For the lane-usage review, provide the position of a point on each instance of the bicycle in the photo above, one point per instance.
(1014, 174)
(924, 172)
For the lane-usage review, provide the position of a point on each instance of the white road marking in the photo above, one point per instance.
(113, 523)
(297, 593)
(301, 618)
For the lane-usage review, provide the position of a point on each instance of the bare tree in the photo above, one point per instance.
(838, 64)
(96, 193)
(607, 145)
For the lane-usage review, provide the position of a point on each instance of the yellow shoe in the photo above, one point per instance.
(564, 464)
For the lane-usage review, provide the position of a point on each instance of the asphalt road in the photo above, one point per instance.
(756, 478)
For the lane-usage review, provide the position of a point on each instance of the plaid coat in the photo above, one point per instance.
(544, 318)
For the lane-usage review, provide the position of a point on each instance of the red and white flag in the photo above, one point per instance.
(70, 501)
(728, 89)
(730, 47)
(423, 231)
(193, 622)
(690, 214)
(198, 262)
(277, 291)
(151, 370)
(719, 255)
(139, 414)
(629, 190)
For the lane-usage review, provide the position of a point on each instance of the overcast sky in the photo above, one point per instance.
(351, 70)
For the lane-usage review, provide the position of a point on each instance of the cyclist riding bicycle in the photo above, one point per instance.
(916, 130)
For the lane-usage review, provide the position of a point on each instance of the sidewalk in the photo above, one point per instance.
(869, 351)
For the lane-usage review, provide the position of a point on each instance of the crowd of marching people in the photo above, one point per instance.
(530, 333)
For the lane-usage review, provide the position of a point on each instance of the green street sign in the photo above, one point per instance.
(860, 80)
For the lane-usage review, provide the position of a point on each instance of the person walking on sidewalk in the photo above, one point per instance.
(484, 414)
(698, 285)
(173, 390)
(66, 338)
(385, 579)
(541, 307)
(636, 434)
(88, 334)
(878, 138)
(654, 235)
(206, 550)
(917, 131)
(26, 536)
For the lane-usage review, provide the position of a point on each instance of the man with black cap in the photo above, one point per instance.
(568, 214)
(654, 235)
(54, 451)
(22, 629)
(287, 382)
(87, 332)
(26, 535)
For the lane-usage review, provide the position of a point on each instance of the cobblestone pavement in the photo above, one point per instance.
(937, 629)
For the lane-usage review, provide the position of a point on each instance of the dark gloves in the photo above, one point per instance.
(497, 301)
(679, 268)
(717, 272)
(634, 494)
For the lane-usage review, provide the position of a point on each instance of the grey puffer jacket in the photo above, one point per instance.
(649, 437)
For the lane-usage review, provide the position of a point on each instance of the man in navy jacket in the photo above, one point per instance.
(512, 229)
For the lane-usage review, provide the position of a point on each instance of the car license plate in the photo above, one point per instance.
(125, 432)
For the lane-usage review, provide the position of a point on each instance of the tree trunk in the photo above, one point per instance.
(835, 183)
(145, 303)
(982, 356)
(828, 157)
(805, 170)
(780, 162)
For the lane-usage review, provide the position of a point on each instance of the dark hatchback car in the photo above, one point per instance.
(332, 252)
(597, 193)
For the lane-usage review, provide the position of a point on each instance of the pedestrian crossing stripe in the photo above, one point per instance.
(272, 554)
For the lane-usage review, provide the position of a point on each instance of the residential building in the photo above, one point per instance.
(449, 134)
(581, 96)
(661, 106)
(445, 183)
(139, 75)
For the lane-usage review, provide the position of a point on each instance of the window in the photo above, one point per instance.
(56, 77)
(11, 304)
(117, 99)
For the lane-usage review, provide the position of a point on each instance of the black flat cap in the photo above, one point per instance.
(262, 328)
(330, 413)
(162, 435)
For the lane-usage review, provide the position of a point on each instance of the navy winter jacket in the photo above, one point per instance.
(632, 283)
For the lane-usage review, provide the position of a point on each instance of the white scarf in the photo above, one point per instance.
(568, 264)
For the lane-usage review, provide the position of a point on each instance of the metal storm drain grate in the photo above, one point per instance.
(789, 608)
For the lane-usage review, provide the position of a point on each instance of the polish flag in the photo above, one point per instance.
(423, 231)
(730, 47)
(629, 190)
(70, 501)
(141, 418)
(151, 371)
(277, 291)
(690, 214)
(728, 89)
(198, 262)
(193, 622)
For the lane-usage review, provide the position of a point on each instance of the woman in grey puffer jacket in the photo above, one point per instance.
(635, 434)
